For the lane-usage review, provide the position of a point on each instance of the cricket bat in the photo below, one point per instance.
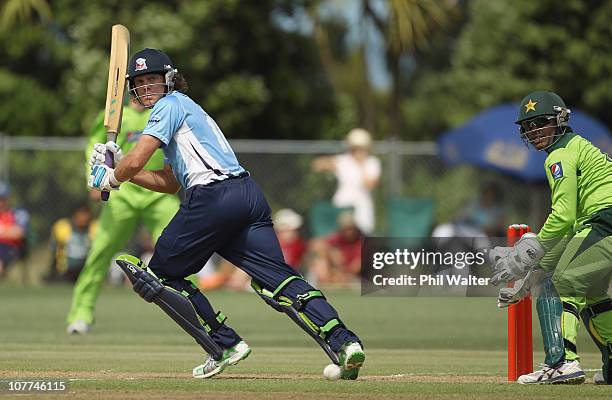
(117, 70)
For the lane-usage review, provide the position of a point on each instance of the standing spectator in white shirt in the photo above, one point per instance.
(358, 173)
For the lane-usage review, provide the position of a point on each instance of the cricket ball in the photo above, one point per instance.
(332, 372)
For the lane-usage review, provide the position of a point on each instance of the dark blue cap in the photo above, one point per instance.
(149, 61)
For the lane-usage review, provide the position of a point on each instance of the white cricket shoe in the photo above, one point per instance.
(569, 373)
(351, 358)
(231, 356)
(598, 379)
(78, 327)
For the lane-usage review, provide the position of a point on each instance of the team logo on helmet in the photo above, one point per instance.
(141, 64)
(530, 106)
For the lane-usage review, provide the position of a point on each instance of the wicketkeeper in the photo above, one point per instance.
(570, 259)
(224, 211)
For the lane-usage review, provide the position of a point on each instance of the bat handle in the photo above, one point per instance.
(110, 162)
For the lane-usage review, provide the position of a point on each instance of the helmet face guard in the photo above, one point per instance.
(537, 111)
(151, 61)
(531, 131)
(152, 89)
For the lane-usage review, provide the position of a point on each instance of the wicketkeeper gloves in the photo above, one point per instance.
(512, 263)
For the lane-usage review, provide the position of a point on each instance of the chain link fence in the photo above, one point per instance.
(48, 175)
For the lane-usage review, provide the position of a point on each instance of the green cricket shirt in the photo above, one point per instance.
(580, 179)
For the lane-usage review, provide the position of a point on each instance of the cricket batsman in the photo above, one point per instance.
(120, 217)
(224, 211)
(570, 259)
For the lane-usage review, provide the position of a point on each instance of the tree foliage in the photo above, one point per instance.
(507, 49)
(255, 77)
(262, 77)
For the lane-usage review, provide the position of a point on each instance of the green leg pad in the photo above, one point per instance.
(550, 309)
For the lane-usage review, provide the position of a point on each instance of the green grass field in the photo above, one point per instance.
(417, 348)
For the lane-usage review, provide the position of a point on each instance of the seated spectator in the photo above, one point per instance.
(483, 217)
(287, 224)
(70, 243)
(486, 214)
(336, 259)
(471, 231)
(13, 230)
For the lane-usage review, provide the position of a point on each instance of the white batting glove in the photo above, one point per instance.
(512, 263)
(98, 153)
(115, 149)
(102, 178)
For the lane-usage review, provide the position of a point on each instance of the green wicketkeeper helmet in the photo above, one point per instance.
(540, 103)
(537, 109)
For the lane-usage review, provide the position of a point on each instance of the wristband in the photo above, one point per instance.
(113, 180)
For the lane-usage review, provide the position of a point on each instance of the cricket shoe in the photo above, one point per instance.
(231, 356)
(568, 373)
(351, 357)
(598, 379)
(78, 327)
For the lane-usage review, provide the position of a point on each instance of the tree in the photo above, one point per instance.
(407, 27)
(508, 49)
(255, 77)
(23, 11)
(346, 71)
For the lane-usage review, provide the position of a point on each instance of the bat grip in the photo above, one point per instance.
(109, 161)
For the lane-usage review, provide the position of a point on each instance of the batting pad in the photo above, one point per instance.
(173, 303)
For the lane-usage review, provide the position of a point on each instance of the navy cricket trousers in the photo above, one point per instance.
(232, 218)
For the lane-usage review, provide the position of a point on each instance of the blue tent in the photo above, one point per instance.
(491, 140)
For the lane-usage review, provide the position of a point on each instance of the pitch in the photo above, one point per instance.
(418, 348)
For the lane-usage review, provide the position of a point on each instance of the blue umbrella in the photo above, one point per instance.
(491, 140)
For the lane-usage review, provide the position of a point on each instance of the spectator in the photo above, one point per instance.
(486, 214)
(70, 243)
(479, 220)
(287, 224)
(336, 259)
(482, 217)
(357, 173)
(13, 230)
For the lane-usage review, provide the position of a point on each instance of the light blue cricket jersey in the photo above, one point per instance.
(193, 144)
